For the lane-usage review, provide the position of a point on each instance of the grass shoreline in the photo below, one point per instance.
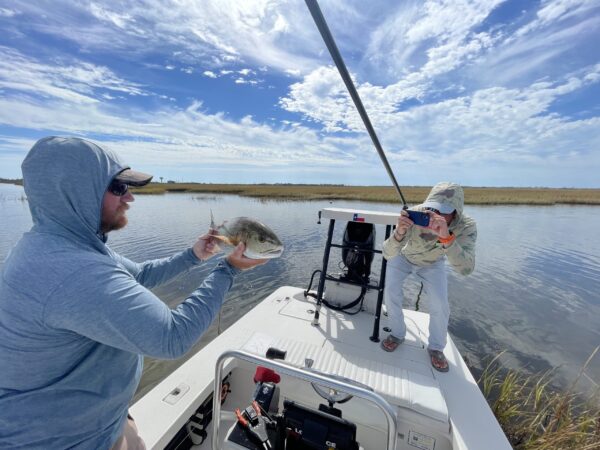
(535, 416)
(384, 194)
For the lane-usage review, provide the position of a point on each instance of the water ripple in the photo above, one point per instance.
(534, 292)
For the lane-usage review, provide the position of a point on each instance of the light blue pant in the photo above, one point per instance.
(435, 286)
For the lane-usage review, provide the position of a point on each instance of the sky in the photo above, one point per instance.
(480, 92)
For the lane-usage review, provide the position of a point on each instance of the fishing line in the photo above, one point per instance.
(317, 15)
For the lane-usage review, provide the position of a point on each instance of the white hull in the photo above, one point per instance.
(435, 411)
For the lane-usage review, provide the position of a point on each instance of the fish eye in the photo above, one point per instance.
(261, 239)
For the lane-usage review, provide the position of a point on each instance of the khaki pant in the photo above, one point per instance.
(435, 286)
(129, 439)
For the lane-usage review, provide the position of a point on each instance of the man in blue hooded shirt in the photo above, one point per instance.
(76, 317)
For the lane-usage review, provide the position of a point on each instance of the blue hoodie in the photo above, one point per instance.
(75, 317)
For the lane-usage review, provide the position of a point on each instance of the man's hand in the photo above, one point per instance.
(402, 225)
(438, 225)
(239, 261)
(206, 246)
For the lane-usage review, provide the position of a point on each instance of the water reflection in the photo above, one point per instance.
(534, 292)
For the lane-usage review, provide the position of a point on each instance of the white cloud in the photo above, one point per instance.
(293, 72)
(545, 53)
(555, 10)
(74, 83)
(240, 81)
(221, 30)
(449, 20)
(5, 12)
(322, 96)
(441, 30)
(495, 124)
(120, 20)
(170, 136)
(12, 152)
(209, 74)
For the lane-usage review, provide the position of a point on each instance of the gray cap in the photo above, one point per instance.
(134, 178)
(444, 208)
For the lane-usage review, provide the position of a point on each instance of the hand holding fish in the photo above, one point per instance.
(260, 242)
(239, 261)
(206, 246)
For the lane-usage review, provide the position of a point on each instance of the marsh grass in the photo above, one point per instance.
(534, 416)
(384, 194)
(413, 194)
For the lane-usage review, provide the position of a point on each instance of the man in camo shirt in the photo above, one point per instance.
(451, 235)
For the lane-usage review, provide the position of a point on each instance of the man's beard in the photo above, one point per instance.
(115, 222)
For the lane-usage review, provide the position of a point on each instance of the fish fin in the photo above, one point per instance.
(225, 240)
(213, 225)
(224, 227)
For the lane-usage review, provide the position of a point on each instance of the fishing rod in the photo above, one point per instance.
(317, 15)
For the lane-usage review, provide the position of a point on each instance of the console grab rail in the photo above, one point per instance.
(302, 374)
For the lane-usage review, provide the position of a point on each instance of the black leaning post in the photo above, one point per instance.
(375, 336)
(321, 288)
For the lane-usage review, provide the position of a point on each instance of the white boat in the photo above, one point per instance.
(388, 400)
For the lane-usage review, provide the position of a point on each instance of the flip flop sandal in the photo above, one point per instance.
(438, 357)
(391, 343)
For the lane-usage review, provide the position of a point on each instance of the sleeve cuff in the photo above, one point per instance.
(192, 256)
(232, 270)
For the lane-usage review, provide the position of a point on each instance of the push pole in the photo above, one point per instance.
(317, 15)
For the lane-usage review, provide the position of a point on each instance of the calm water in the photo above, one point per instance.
(534, 292)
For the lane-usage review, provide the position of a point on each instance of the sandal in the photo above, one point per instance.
(438, 360)
(391, 343)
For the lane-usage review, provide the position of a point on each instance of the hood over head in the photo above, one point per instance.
(65, 180)
(446, 197)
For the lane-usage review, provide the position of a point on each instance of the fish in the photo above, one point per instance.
(261, 242)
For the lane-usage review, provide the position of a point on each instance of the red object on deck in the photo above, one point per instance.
(266, 375)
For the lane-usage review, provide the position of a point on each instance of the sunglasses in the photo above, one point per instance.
(118, 188)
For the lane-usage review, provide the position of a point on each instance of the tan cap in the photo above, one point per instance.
(133, 178)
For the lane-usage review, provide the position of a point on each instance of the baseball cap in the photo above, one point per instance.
(444, 208)
(133, 177)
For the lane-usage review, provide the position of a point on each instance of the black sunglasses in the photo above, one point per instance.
(118, 188)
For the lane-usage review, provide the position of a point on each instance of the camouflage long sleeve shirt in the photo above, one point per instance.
(420, 245)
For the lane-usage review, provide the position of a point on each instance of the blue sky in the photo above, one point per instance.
(481, 92)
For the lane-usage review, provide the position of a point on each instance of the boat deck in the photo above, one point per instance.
(451, 403)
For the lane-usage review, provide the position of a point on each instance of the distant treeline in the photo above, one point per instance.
(9, 181)
(386, 194)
